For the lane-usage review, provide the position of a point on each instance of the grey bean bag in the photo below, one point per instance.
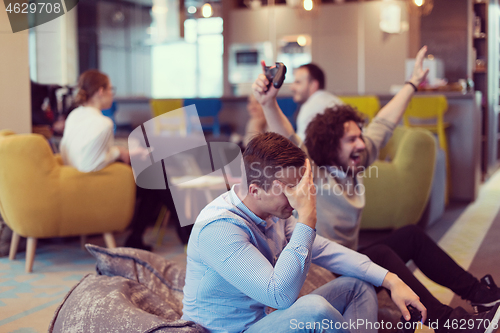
(134, 291)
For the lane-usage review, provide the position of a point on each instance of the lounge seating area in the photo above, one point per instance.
(42, 198)
(136, 139)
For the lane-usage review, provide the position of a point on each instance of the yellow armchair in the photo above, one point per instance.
(398, 185)
(41, 198)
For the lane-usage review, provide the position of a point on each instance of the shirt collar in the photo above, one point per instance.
(93, 109)
(235, 200)
(316, 93)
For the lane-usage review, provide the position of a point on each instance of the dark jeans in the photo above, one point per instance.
(148, 207)
(412, 243)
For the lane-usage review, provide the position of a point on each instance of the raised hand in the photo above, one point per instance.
(419, 74)
(262, 94)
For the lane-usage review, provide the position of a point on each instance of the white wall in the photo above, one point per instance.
(57, 50)
(15, 100)
(123, 53)
(355, 54)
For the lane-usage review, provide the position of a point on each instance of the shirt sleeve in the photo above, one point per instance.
(376, 135)
(341, 260)
(240, 263)
(344, 261)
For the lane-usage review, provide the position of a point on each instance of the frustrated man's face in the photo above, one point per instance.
(274, 201)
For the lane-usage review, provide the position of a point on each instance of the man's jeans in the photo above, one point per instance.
(334, 307)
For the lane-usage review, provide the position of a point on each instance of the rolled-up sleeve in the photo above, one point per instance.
(376, 135)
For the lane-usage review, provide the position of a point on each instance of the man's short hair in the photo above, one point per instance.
(315, 73)
(324, 132)
(268, 153)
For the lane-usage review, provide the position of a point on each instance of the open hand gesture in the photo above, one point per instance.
(419, 74)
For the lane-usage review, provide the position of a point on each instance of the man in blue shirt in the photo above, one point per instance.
(248, 254)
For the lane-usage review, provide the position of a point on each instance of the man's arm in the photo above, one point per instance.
(276, 119)
(379, 131)
(227, 249)
(393, 111)
(344, 261)
(403, 296)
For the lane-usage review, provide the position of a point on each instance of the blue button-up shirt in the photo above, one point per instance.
(238, 263)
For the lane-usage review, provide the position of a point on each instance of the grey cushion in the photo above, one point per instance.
(116, 304)
(135, 291)
(159, 275)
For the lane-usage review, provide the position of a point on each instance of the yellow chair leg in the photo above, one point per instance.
(30, 254)
(109, 240)
(163, 227)
(159, 219)
(14, 243)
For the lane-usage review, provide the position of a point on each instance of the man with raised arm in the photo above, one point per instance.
(248, 254)
(340, 149)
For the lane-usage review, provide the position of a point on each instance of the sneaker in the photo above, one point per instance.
(486, 296)
(461, 321)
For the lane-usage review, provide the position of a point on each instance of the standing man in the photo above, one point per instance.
(308, 90)
(247, 254)
(339, 149)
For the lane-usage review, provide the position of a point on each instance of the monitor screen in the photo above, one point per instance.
(247, 58)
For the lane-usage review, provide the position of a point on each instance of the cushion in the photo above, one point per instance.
(159, 275)
(116, 304)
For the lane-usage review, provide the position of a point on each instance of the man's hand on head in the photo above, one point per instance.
(262, 94)
(302, 197)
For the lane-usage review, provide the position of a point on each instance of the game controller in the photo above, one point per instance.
(276, 75)
(416, 317)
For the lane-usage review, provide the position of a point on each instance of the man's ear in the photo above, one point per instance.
(254, 191)
(314, 86)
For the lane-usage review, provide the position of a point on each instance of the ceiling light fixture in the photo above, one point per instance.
(206, 10)
(421, 7)
(302, 40)
(308, 5)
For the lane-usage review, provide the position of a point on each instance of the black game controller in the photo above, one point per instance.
(276, 75)
(416, 317)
